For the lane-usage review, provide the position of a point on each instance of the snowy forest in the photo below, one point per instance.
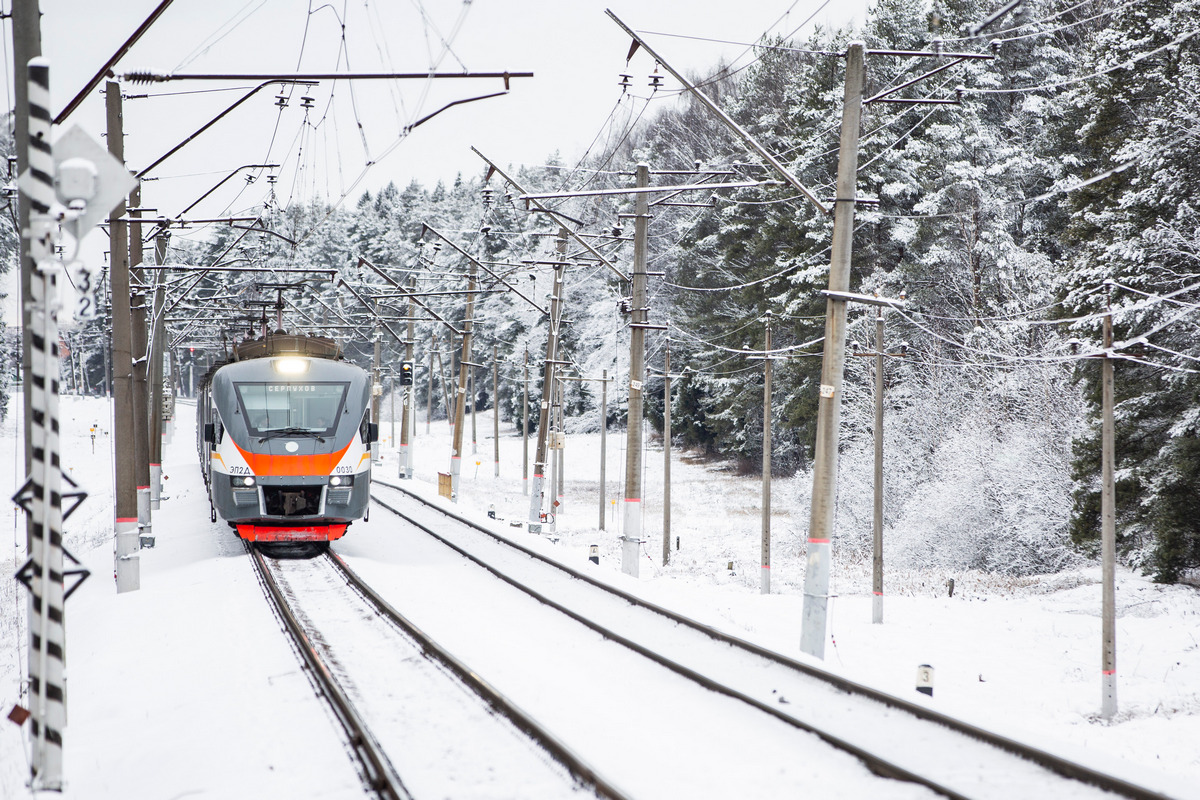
(1059, 185)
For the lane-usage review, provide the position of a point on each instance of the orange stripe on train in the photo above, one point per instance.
(316, 464)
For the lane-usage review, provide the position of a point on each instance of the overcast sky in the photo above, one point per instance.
(575, 51)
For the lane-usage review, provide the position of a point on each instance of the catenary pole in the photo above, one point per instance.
(603, 442)
(631, 541)
(474, 402)
(765, 584)
(157, 347)
(538, 490)
(1108, 531)
(820, 529)
(433, 349)
(877, 518)
(464, 367)
(140, 342)
(408, 426)
(376, 386)
(126, 543)
(525, 428)
(666, 540)
(496, 407)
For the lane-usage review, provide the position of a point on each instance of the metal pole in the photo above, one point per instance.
(537, 492)
(474, 402)
(125, 531)
(376, 386)
(1108, 532)
(496, 407)
(525, 429)
(632, 540)
(603, 443)
(666, 541)
(561, 439)
(445, 380)
(140, 342)
(459, 406)
(408, 425)
(433, 348)
(765, 585)
(156, 374)
(820, 528)
(877, 523)
(43, 490)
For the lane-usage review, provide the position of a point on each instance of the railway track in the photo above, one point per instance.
(404, 702)
(892, 737)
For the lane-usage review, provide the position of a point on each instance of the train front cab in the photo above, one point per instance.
(290, 456)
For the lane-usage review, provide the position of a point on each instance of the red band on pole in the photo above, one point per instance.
(127, 519)
(818, 541)
(1109, 672)
(880, 594)
(633, 499)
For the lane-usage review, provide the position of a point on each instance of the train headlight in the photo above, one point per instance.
(341, 480)
(291, 366)
(240, 481)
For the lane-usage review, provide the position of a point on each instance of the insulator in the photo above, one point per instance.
(655, 79)
(281, 100)
(617, 230)
(626, 81)
(485, 230)
(251, 179)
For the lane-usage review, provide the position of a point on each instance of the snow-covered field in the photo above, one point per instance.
(187, 687)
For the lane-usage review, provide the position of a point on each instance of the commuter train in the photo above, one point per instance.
(284, 435)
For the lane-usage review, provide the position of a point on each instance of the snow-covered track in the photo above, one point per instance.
(377, 771)
(892, 737)
(309, 593)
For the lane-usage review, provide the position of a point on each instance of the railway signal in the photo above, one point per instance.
(406, 373)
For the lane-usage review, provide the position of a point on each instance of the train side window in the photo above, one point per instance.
(364, 429)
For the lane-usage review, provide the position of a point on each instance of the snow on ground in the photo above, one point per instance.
(187, 686)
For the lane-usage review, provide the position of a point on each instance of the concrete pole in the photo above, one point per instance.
(525, 429)
(560, 451)
(632, 516)
(496, 407)
(125, 531)
(446, 400)
(157, 345)
(877, 522)
(537, 491)
(433, 348)
(408, 425)
(765, 584)
(376, 386)
(603, 443)
(392, 412)
(824, 494)
(1108, 532)
(474, 395)
(141, 373)
(464, 370)
(666, 540)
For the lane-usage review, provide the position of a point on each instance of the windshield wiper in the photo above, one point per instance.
(275, 434)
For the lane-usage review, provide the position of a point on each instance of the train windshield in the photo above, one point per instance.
(300, 407)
